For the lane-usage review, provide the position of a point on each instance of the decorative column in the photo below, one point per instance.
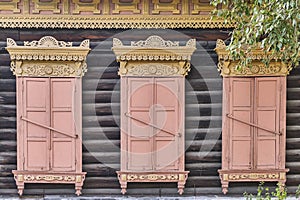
(49, 111)
(254, 119)
(152, 110)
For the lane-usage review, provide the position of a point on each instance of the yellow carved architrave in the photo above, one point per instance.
(227, 66)
(48, 57)
(49, 6)
(167, 7)
(120, 6)
(201, 7)
(98, 14)
(154, 56)
(86, 6)
(10, 6)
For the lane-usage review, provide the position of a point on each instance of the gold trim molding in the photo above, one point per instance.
(227, 66)
(154, 56)
(96, 14)
(111, 21)
(48, 57)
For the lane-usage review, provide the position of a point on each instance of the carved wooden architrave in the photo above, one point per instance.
(256, 81)
(153, 58)
(48, 58)
(60, 61)
(227, 66)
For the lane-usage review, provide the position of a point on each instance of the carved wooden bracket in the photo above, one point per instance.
(48, 57)
(227, 66)
(154, 56)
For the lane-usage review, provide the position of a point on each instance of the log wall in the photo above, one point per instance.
(101, 107)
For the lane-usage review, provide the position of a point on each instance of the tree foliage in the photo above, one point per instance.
(272, 25)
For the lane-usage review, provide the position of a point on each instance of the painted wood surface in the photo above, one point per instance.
(101, 133)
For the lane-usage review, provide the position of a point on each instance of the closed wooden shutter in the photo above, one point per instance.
(267, 116)
(154, 123)
(35, 105)
(63, 118)
(140, 102)
(167, 116)
(241, 107)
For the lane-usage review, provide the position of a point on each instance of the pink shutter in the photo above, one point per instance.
(167, 117)
(35, 107)
(241, 106)
(267, 116)
(63, 119)
(140, 101)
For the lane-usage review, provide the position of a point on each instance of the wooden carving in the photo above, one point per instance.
(48, 111)
(254, 120)
(152, 110)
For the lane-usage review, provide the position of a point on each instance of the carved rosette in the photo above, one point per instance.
(154, 57)
(48, 57)
(228, 67)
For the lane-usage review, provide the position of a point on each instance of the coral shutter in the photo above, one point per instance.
(35, 107)
(167, 117)
(267, 116)
(241, 107)
(140, 102)
(63, 99)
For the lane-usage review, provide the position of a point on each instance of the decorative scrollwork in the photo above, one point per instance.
(228, 67)
(155, 42)
(48, 57)
(153, 69)
(154, 56)
(49, 178)
(47, 41)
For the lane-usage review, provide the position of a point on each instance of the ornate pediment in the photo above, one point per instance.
(228, 67)
(48, 57)
(154, 56)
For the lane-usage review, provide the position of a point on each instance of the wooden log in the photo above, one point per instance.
(7, 110)
(101, 133)
(8, 134)
(8, 98)
(8, 122)
(10, 85)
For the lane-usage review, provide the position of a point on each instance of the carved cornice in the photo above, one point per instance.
(108, 14)
(227, 66)
(48, 57)
(154, 56)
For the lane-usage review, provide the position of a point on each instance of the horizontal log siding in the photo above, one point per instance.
(101, 109)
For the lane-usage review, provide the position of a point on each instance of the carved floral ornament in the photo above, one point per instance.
(154, 56)
(227, 66)
(48, 57)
